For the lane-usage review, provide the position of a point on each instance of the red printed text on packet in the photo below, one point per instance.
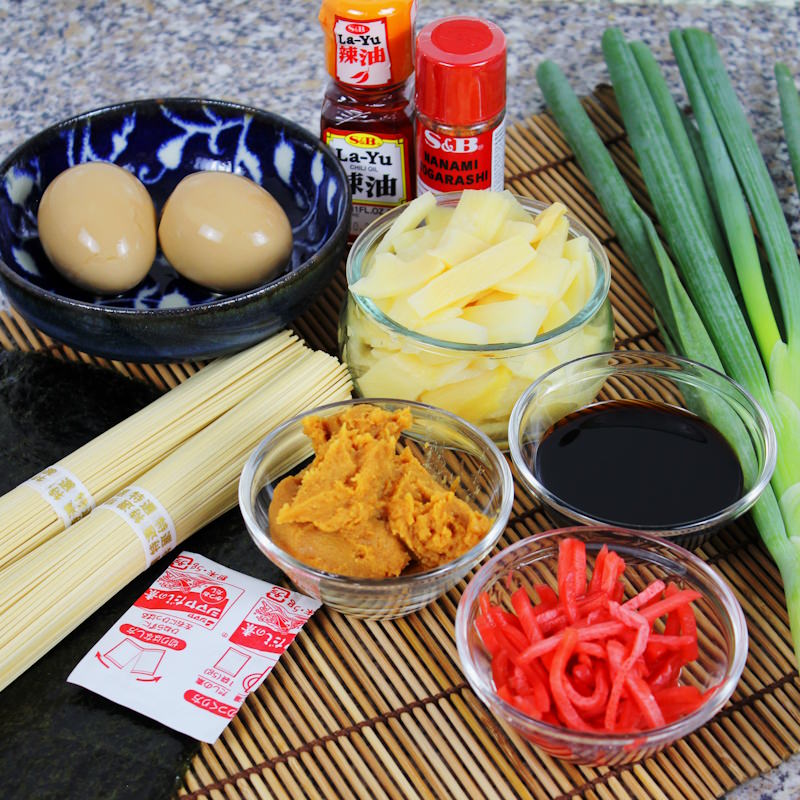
(194, 645)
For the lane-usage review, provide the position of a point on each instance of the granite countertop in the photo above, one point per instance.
(68, 56)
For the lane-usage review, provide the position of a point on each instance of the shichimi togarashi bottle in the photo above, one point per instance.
(461, 105)
(367, 113)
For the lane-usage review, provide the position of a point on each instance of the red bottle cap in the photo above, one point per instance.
(461, 71)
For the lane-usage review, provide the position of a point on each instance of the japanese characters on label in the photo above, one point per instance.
(149, 519)
(377, 169)
(194, 645)
(65, 493)
(271, 624)
(362, 52)
(187, 588)
(453, 163)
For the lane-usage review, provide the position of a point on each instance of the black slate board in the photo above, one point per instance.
(59, 740)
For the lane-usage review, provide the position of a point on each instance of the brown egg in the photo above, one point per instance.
(224, 231)
(97, 225)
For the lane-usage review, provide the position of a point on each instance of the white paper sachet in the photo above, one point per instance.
(194, 645)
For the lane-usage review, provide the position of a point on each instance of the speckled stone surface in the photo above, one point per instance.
(63, 57)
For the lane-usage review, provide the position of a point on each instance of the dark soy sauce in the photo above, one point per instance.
(638, 463)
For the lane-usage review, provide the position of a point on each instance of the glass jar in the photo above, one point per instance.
(480, 383)
(461, 104)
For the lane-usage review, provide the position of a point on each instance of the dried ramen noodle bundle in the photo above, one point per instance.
(60, 495)
(53, 588)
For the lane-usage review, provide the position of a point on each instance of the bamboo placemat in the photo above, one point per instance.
(381, 709)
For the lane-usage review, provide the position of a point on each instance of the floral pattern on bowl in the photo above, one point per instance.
(162, 141)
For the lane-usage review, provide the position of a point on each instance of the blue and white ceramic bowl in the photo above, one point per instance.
(167, 317)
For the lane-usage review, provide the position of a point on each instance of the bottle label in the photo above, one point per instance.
(378, 170)
(452, 163)
(362, 52)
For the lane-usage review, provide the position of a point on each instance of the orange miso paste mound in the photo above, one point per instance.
(365, 507)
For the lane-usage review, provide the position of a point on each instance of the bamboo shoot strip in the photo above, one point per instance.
(115, 458)
(48, 592)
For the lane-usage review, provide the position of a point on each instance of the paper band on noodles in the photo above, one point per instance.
(150, 521)
(65, 493)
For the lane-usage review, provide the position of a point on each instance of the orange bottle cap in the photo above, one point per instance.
(369, 43)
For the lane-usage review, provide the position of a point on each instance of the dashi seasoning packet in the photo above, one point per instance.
(194, 645)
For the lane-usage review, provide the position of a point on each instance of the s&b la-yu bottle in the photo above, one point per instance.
(367, 113)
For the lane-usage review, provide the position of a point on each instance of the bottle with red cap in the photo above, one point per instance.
(367, 113)
(460, 100)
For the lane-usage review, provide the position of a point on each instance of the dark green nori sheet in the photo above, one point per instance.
(58, 740)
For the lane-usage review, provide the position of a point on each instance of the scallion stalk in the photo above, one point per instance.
(755, 180)
(682, 149)
(733, 208)
(643, 246)
(790, 114)
(706, 323)
(697, 148)
(721, 107)
(694, 342)
(609, 186)
(690, 243)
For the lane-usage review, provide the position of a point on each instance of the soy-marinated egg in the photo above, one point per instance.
(224, 231)
(97, 225)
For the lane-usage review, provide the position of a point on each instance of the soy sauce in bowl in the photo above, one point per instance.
(639, 464)
(687, 451)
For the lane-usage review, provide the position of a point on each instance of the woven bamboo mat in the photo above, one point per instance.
(381, 710)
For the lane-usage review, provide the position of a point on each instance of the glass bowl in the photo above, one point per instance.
(722, 636)
(412, 365)
(449, 448)
(667, 380)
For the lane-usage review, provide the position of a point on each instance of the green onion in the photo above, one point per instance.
(696, 302)
(697, 148)
(733, 208)
(608, 184)
(790, 114)
(693, 341)
(645, 250)
(682, 149)
(633, 227)
(783, 359)
(755, 179)
(675, 208)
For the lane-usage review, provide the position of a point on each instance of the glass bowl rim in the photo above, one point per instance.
(378, 585)
(369, 236)
(724, 515)
(649, 737)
